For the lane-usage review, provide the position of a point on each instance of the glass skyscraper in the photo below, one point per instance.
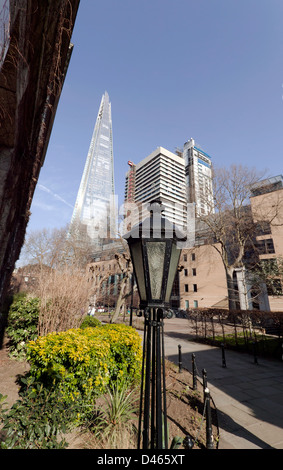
(94, 208)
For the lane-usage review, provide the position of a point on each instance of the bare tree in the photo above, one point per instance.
(64, 297)
(61, 282)
(230, 224)
(45, 247)
(79, 246)
(103, 290)
(125, 265)
(57, 248)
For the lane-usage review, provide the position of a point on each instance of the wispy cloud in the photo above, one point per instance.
(43, 206)
(56, 196)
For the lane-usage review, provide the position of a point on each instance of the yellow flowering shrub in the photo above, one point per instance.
(82, 362)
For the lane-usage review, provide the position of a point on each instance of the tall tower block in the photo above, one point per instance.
(94, 207)
(161, 176)
(198, 168)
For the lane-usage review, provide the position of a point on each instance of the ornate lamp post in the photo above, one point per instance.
(155, 257)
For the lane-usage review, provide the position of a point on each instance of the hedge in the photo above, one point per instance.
(90, 322)
(22, 323)
(83, 362)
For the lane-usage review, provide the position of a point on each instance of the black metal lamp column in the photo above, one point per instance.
(153, 399)
(155, 257)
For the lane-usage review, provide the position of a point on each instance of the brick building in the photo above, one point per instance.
(202, 281)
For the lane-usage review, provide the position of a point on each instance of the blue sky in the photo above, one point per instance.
(174, 69)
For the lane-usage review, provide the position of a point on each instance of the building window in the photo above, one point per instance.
(186, 304)
(185, 257)
(265, 246)
(195, 287)
(185, 272)
(186, 287)
(195, 304)
(193, 256)
(194, 271)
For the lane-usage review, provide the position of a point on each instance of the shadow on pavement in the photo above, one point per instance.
(246, 387)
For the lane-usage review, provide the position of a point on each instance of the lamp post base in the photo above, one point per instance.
(153, 390)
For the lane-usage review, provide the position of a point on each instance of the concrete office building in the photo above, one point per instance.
(161, 175)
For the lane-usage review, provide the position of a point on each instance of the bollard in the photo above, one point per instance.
(255, 355)
(209, 435)
(223, 355)
(194, 372)
(188, 443)
(204, 381)
(180, 358)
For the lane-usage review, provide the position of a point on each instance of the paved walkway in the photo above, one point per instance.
(248, 396)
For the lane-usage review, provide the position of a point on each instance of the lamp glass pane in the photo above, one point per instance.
(175, 256)
(137, 259)
(156, 255)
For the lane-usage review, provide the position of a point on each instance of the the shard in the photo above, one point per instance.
(94, 208)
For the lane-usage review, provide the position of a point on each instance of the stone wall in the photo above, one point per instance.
(31, 80)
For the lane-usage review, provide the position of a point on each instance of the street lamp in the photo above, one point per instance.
(155, 257)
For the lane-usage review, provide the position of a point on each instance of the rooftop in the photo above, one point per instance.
(267, 185)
